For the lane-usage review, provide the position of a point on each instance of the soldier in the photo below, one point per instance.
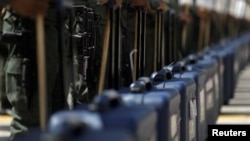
(88, 92)
(217, 19)
(128, 23)
(237, 13)
(128, 27)
(197, 26)
(184, 20)
(246, 17)
(24, 100)
(155, 5)
(128, 32)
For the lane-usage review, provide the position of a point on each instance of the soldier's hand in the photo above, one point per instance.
(103, 2)
(162, 7)
(141, 3)
(30, 8)
(118, 3)
(202, 13)
(185, 18)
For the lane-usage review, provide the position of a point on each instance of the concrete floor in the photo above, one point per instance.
(4, 127)
(238, 110)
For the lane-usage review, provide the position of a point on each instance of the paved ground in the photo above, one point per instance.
(237, 112)
(4, 127)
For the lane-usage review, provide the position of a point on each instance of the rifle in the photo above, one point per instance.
(84, 37)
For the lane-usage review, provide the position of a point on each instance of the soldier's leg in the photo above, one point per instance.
(150, 43)
(24, 104)
(102, 10)
(58, 80)
(128, 39)
(24, 115)
(4, 103)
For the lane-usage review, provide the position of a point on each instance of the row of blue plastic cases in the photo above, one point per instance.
(175, 103)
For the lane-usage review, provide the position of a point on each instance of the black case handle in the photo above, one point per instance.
(107, 100)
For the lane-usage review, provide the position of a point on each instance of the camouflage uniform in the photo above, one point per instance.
(25, 99)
